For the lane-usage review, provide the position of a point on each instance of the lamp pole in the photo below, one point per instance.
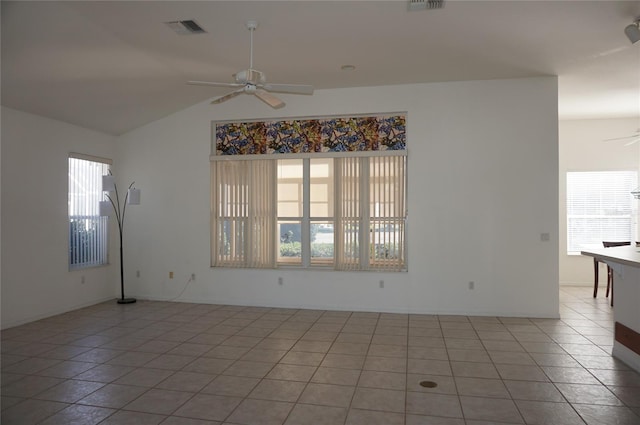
(120, 220)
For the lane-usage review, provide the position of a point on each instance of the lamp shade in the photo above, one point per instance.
(633, 32)
(133, 196)
(108, 183)
(106, 209)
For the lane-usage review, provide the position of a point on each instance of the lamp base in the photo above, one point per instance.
(126, 300)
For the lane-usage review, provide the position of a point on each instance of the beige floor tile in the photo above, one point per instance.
(104, 373)
(208, 407)
(302, 358)
(328, 375)
(163, 402)
(629, 395)
(261, 412)
(236, 386)
(434, 404)
(327, 395)
(385, 380)
(569, 375)
(69, 391)
(133, 358)
(129, 418)
(379, 399)
(226, 352)
(382, 350)
(429, 367)
(444, 384)
(481, 387)
(368, 417)
(143, 377)
(588, 394)
(30, 412)
(474, 370)
(113, 396)
(547, 413)
(304, 414)
(434, 420)
(386, 364)
(248, 369)
(534, 391)
(186, 381)
(521, 372)
(165, 352)
(77, 414)
(209, 365)
(292, 372)
(264, 355)
(490, 409)
(270, 389)
(595, 415)
(29, 386)
(170, 362)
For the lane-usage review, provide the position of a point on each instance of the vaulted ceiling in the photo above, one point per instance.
(113, 66)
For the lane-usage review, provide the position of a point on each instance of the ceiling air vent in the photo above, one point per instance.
(185, 27)
(425, 4)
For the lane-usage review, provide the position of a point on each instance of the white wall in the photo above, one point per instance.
(582, 148)
(36, 281)
(483, 186)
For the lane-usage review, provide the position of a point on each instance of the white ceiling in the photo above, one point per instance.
(113, 66)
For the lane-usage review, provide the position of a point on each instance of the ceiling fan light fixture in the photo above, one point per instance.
(632, 31)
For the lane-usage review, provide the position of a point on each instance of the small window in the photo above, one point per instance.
(599, 208)
(87, 229)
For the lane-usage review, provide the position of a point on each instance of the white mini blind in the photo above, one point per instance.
(88, 231)
(599, 208)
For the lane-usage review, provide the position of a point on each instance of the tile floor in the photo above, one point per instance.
(178, 364)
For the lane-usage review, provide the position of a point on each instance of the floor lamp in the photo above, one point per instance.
(132, 198)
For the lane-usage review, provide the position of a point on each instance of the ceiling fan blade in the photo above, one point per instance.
(289, 88)
(227, 96)
(269, 99)
(622, 138)
(212, 84)
(631, 142)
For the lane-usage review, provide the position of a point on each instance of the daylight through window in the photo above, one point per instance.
(87, 229)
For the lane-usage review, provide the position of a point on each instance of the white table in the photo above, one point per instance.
(625, 262)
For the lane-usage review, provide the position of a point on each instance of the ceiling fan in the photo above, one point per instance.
(633, 138)
(252, 81)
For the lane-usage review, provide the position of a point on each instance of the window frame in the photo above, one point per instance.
(365, 263)
(99, 252)
(631, 179)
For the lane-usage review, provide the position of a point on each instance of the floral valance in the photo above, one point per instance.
(346, 134)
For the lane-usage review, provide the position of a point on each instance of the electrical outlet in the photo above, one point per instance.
(544, 237)
(381, 284)
(280, 281)
(170, 275)
(472, 284)
(137, 273)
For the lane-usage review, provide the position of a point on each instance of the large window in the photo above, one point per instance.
(87, 229)
(346, 213)
(599, 208)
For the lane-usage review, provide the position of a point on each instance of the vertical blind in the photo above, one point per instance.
(243, 213)
(599, 208)
(369, 213)
(88, 231)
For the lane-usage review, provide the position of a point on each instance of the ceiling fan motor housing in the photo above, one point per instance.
(250, 76)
